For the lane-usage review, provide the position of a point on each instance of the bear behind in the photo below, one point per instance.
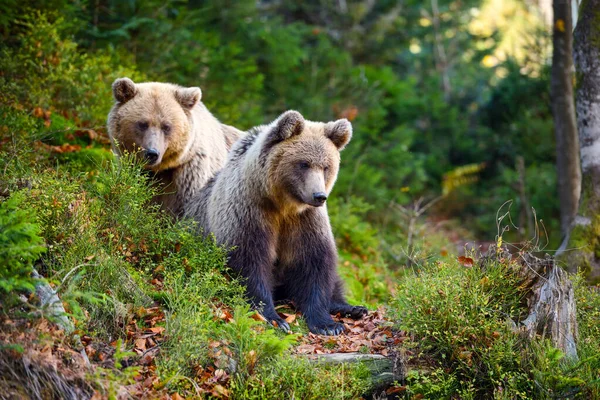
(180, 140)
(268, 204)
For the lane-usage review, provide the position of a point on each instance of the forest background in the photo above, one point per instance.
(451, 109)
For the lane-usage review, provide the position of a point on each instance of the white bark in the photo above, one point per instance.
(586, 54)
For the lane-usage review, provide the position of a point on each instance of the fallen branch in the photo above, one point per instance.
(50, 301)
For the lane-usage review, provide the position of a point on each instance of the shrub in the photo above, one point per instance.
(461, 316)
(296, 378)
(361, 262)
(47, 70)
(20, 245)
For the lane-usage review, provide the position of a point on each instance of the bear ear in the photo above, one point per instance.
(188, 97)
(124, 90)
(339, 132)
(290, 123)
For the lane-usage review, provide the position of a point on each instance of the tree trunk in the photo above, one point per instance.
(563, 110)
(584, 241)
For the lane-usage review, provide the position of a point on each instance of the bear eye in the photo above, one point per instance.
(142, 125)
(303, 165)
(325, 169)
(166, 128)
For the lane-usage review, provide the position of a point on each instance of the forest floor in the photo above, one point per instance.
(44, 356)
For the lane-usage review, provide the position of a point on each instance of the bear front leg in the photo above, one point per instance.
(339, 305)
(250, 258)
(309, 281)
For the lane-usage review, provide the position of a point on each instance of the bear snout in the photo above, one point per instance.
(151, 156)
(319, 198)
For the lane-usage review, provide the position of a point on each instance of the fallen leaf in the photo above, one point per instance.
(305, 349)
(226, 316)
(220, 391)
(289, 318)
(465, 261)
(140, 344)
(257, 317)
(396, 389)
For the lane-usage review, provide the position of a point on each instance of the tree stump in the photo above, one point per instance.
(551, 302)
(552, 312)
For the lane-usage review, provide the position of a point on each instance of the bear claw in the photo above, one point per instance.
(329, 330)
(281, 324)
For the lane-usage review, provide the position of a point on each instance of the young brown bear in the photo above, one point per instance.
(268, 203)
(181, 141)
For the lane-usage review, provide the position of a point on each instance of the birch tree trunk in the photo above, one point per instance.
(586, 230)
(563, 111)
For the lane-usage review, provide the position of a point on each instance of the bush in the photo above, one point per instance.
(362, 266)
(463, 320)
(293, 378)
(20, 245)
(461, 317)
(48, 71)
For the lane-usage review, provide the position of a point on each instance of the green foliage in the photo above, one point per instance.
(252, 347)
(20, 245)
(109, 381)
(47, 70)
(290, 378)
(463, 317)
(437, 384)
(17, 156)
(460, 315)
(362, 266)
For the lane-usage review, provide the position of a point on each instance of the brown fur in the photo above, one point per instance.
(191, 143)
(264, 204)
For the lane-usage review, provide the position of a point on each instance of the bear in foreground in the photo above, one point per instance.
(268, 204)
(179, 139)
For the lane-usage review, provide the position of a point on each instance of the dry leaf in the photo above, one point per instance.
(465, 261)
(257, 317)
(140, 344)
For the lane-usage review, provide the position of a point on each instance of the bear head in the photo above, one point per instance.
(152, 120)
(303, 158)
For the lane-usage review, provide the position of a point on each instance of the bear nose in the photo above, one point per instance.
(151, 155)
(319, 197)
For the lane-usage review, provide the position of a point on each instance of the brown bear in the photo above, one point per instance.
(268, 204)
(179, 139)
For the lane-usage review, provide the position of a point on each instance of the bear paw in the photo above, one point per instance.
(280, 323)
(356, 312)
(329, 329)
(348, 311)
